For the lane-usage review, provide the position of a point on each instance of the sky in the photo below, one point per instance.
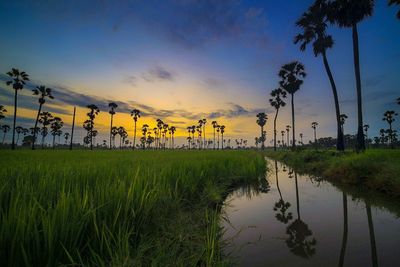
(184, 60)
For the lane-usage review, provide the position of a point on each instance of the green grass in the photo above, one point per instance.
(377, 169)
(117, 208)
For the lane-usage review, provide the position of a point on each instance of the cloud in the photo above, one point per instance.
(158, 73)
(236, 111)
(130, 79)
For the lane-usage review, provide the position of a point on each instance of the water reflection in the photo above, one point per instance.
(289, 220)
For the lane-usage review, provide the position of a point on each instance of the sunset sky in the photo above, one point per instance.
(183, 60)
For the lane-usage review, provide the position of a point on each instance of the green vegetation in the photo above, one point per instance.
(117, 208)
(377, 169)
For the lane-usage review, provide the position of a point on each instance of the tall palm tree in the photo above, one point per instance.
(56, 126)
(374, 254)
(112, 112)
(314, 125)
(222, 129)
(43, 92)
(214, 124)
(89, 124)
(2, 111)
(173, 130)
(277, 102)
(261, 121)
(18, 79)
(160, 124)
(200, 130)
(389, 117)
(135, 113)
(46, 118)
(395, 2)
(218, 130)
(204, 131)
(345, 231)
(347, 14)
(313, 24)
(291, 79)
(144, 132)
(5, 129)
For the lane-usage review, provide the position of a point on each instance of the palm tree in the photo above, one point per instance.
(18, 81)
(345, 230)
(277, 102)
(19, 130)
(5, 129)
(374, 255)
(291, 79)
(66, 137)
(112, 107)
(135, 113)
(144, 132)
(121, 131)
(204, 131)
(389, 117)
(46, 118)
(313, 23)
(343, 118)
(56, 125)
(261, 121)
(114, 133)
(222, 129)
(301, 138)
(214, 124)
(43, 92)
(160, 124)
(200, 130)
(395, 2)
(283, 138)
(347, 14)
(287, 135)
(218, 130)
(172, 130)
(89, 124)
(189, 139)
(314, 125)
(2, 111)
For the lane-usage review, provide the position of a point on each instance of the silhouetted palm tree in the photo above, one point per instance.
(112, 109)
(135, 113)
(42, 92)
(343, 118)
(114, 133)
(283, 138)
(214, 124)
(374, 255)
(291, 79)
(89, 124)
(301, 138)
(277, 102)
(347, 14)
(5, 129)
(281, 205)
(204, 131)
(56, 125)
(395, 2)
(122, 135)
(366, 127)
(314, 125)
(160, 124)
(2, 111)
(18, 81)
(19, 130)
(313, 23)
(172, 130)
(222, 129)
(144, 132)
(66, 137)
(261, 121)
(218, 130)
(287, 135)
(46, 118)
(389, 117)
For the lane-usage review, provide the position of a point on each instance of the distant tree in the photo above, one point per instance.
(313, 24)
(112, 107)
(283, 138)
(218, 130)
(66, 137)
(347, 14)
(222, 129)
(45, 118)
(164, 132)
(389, 117)
(160, 125)
(189, 139)
(301, 139)
(261, 121)
(18, 79)
(287, 135)
(291, 79)
(366, 127)
(144, 132)
(122, 135)
(135, 113)
(5, 129)
(395, 2)
(19, 130)
(2, 111)
(114, 133)
(343, 118)
(204, 131)
(89, 123)
(172, 129)
(43, 92)
(214, 124)
(314, 125)
(56, 125)
(277, 102)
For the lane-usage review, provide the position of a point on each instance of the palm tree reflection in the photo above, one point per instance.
(281, 206)
(300, 240)
(345, 231)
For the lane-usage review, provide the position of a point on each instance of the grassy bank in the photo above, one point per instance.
(376, 169)
(116, 208)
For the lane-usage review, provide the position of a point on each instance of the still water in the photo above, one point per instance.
(297, 220)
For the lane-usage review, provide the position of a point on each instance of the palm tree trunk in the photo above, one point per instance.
(134, 136)
(276, 116)
(222, 141)
(262, 138)
(340, 138)
(34, 129)
(345, 231)
(15, 119)
(72, 130)
(214, 140)
(293, 123)
(111, 124)
(374, 255)
(297, 196)
(360, 132)
(204, 136)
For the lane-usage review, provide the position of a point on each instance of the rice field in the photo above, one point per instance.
(117, 208)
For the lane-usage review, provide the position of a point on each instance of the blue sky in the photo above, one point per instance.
(184, 59)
